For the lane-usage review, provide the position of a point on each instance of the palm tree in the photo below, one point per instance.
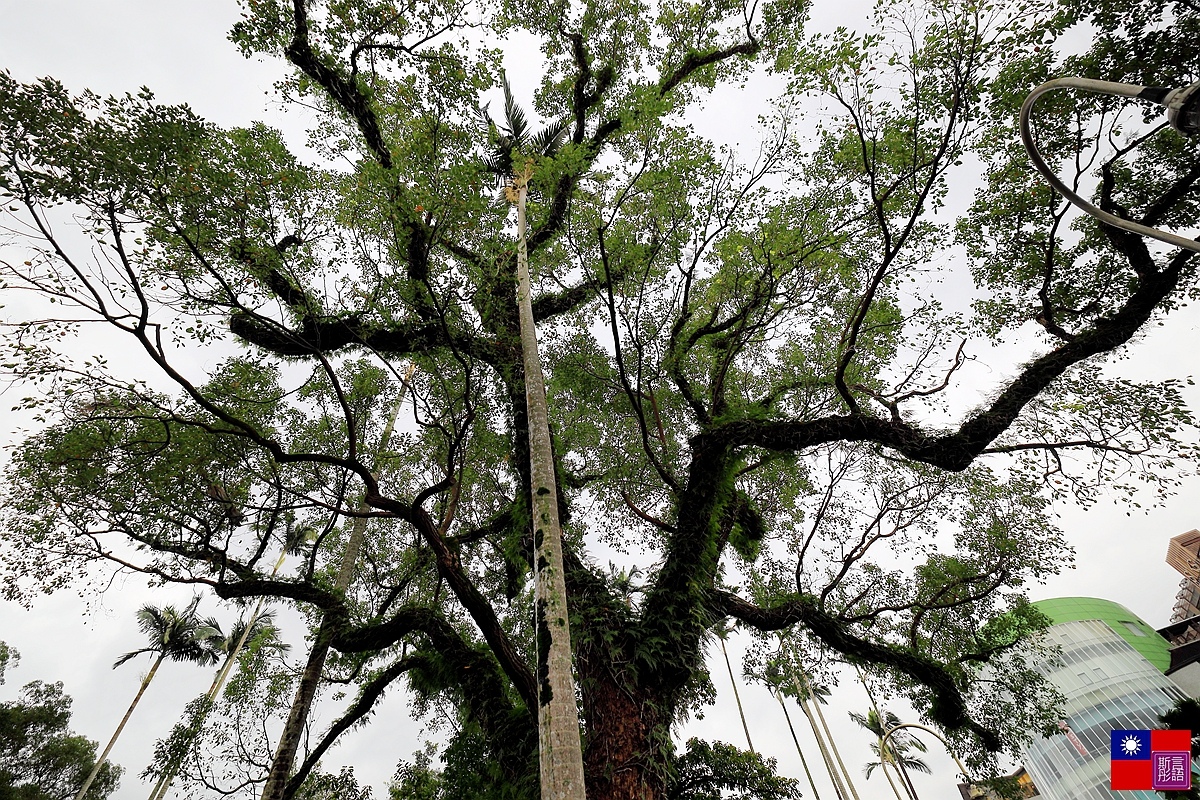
(870, 722)
(805, 694)
(174, 635)
(804, 699)
(559, 747)
(259, 624)
(808, 692)
(512, 141)
(799, 750)
(722, 632)
(895, 752)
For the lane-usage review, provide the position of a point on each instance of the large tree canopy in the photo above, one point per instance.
(761, 365)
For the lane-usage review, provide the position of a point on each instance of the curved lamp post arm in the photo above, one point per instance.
(1183, 112)
(884, 742)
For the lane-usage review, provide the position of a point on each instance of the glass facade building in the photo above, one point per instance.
(1111, 672)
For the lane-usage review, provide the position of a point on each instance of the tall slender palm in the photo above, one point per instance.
(871, 723)
(906, 737)
(897, 756)
(179, 636)
(560, 751)
(259, 624)
(799, 750)
(875, 709)
(804, 698)
(779, 680)
(849, 782)
(306, 691)
(721, 634)
(895, 752)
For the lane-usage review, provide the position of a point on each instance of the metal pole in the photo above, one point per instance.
(1172, 100)
(965, 773)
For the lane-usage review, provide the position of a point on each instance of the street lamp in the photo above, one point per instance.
(1183, 113)
(883, 741)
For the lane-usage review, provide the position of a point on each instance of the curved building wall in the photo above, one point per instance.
(1109, 684)
(1138, 634)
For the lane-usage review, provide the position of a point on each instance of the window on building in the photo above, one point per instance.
(1134, 628)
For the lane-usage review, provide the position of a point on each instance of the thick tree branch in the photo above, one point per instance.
(947, 706)
(362, 707)
(955, 451)
(450, 568)
(346, 93)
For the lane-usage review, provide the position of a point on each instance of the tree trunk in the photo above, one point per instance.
(87, 784)
(799, 750)
(289, 740)
(830, 767)
(832, 744)
(619, 761)
(560, 753)
(737, 697)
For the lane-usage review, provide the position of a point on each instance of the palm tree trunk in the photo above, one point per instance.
(838, 788)
(799, 751)
(883, 765)
(87, 784)
(215, 690)
(736, 696)
(293, 729)
(907, 780)
(560, 751)
(159, 792)
(832, 744)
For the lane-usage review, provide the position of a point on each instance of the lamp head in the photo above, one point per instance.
(1183, 109)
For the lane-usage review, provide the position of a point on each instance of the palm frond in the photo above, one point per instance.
(296, 540)
(548, 140)
(151, 620)
(511, 138)
(193, 651)
(209, 634)
(132, 655)
(482, 112)
(500, 164)
(211, 623)
(514, 116)
(916, 764)
(264, 625)
(178, 636)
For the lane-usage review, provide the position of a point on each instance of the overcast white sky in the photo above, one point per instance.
(179, 50)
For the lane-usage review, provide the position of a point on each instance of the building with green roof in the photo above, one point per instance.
(1141, 636)
(1111, 669)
